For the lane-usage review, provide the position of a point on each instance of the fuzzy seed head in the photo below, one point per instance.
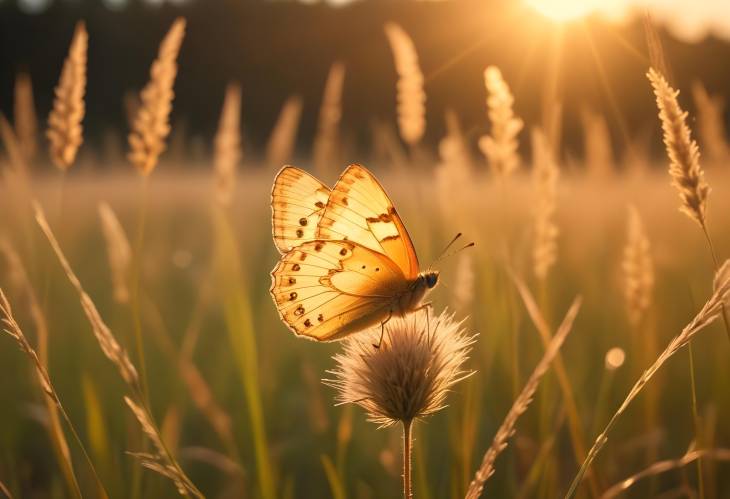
(411, 373)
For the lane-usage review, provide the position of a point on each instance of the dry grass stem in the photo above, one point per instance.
(501, 146)
(411, 98)
(545, 180)
(326, 143)
(5, 491)
(151, 123)
(119, 252)
(664, 466)
(198, 389)
(11, 327)
(520, 405)
(160, 462)
(706, 316)
(638, 269)
(108, 343)
(227, 147)
(163, 461)
(283, 139)
(18, 276)
(575, 426)
(203, 398)
(26, 122)
(684, 154)
(65, 132)
(12, 145)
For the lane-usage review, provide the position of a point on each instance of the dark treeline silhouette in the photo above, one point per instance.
(276, 49)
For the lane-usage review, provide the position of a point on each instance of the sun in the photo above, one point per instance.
(564, 10)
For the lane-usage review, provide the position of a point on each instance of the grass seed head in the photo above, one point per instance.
(65, 132)
(411, 373)
(684, 154)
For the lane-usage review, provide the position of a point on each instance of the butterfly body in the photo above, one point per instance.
(347, 261)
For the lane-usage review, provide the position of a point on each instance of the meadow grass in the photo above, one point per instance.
(279, 446)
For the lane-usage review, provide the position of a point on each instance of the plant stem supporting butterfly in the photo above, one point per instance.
(407, 459)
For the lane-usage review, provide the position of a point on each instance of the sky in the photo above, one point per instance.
(690, 20)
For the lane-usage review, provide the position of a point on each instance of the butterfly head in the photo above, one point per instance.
(431, 277)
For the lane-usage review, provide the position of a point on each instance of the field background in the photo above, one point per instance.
(182, 294)
(204, 308)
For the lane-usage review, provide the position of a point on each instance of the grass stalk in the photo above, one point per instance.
(520, 405)
(135, 286)
(716, 263)
(333, 478)
(698, 427)
(238, 317)
(706, 316)
(407, 459)
(12, 328)
(566, 387)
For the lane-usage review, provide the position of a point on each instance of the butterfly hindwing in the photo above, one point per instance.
(297, 201)
(359, 210)
(326, 289)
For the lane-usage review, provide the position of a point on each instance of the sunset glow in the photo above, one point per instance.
(564, 10)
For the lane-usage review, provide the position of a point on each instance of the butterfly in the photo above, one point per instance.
(347, 261)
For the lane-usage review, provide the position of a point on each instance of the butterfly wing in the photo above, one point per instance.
(327, 289)
(359, 210)
(297, 203)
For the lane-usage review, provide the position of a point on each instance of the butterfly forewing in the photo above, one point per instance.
(326, 289)
(298, 201)
(359, 210)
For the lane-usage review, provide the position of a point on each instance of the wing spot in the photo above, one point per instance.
(383, 217)
(303, 221)
(300, 233)
(308, 323)
(343, 252)
(320, 318)
(318, 247)
(302, 256)
(293, 296)
(292, 280)
(363, 267)
(377, 269)
(319, 204)
(296, 267)
(299, 310)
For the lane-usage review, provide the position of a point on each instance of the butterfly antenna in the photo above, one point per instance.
(444, 253)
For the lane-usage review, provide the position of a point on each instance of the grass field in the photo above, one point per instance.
(183, 305)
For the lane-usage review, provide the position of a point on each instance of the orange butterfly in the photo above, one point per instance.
(347, 261)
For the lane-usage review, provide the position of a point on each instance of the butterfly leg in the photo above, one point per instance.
(427, 308)
(382, 329)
